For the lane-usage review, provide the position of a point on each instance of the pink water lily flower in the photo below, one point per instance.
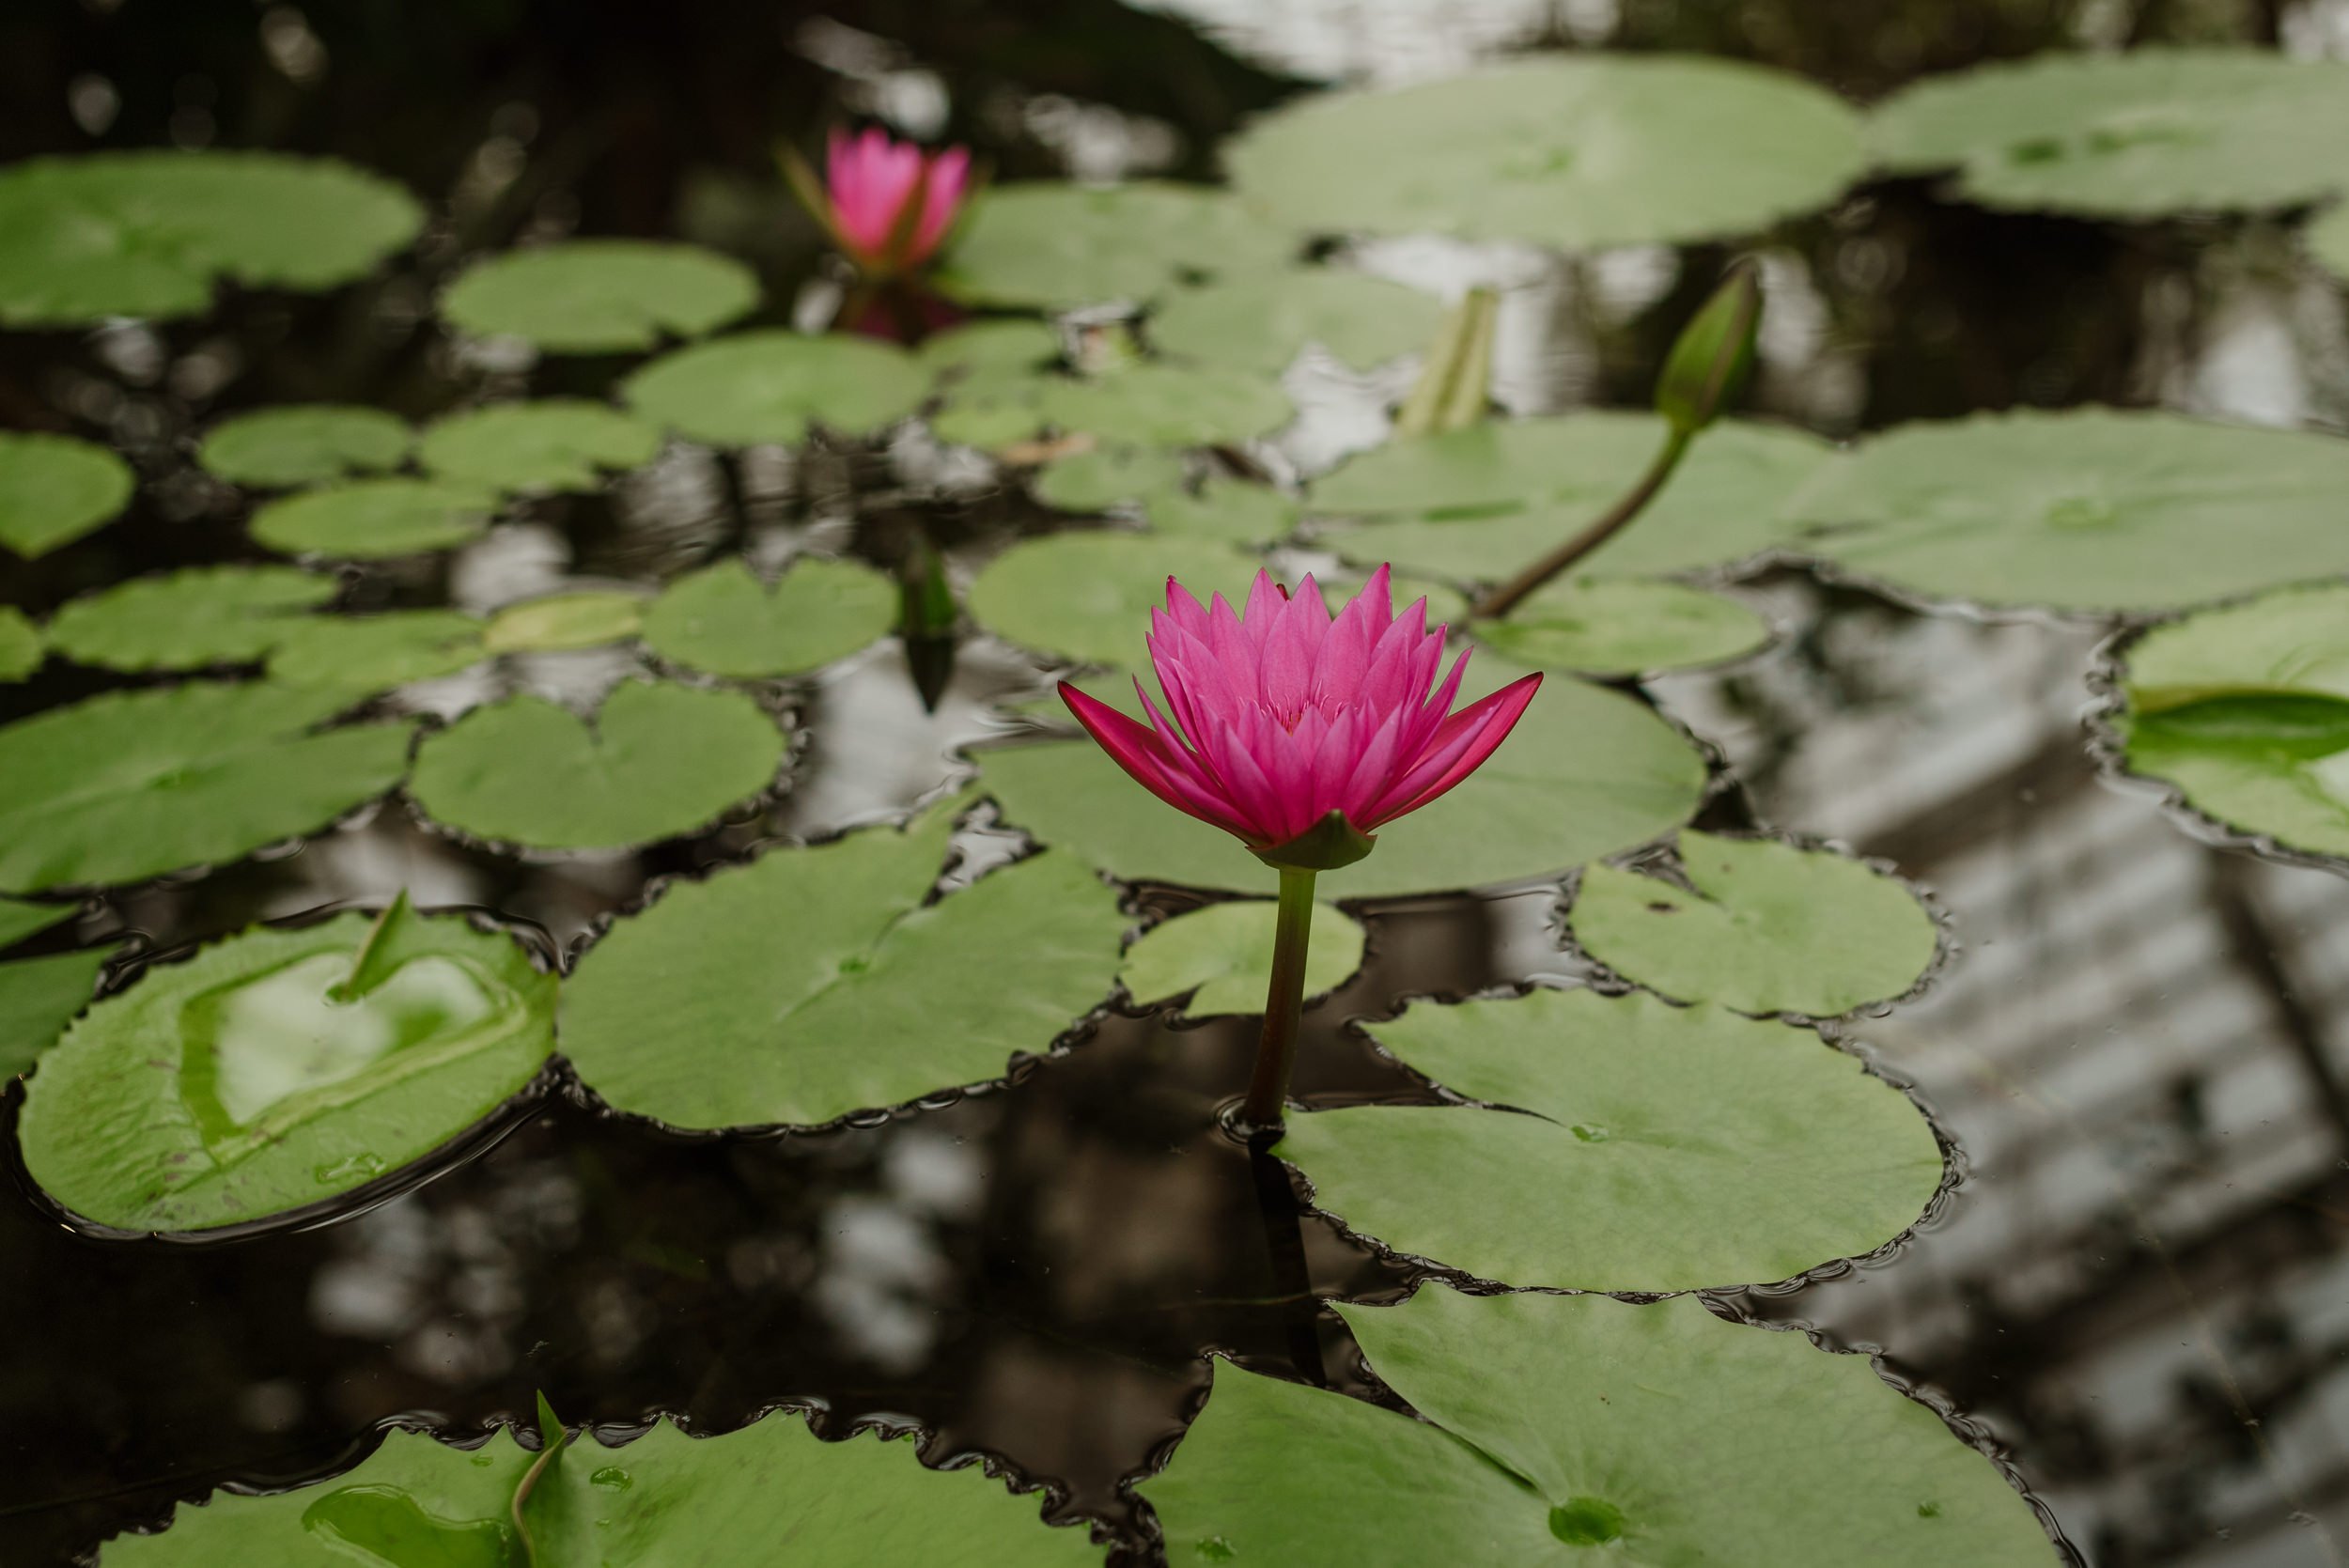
(871, 179)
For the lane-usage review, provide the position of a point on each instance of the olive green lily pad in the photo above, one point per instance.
(724, 620)
(1646, 1147)
(54, 490)
(2093, 509)
(601, 296)
(1623, 625)
(38, 996)
(1224, 509)
(811, 983)
(1221, 957)
(1577, 151)
(1566, 1428)
(185, 620)
(1056, 245)
(1101, 477)
(1260, 323)
(148, 233)
(557, 623)
(362, 655)
(280, 1067)
(1769, 928)
(770, 386)
(2328, 241)
(2131, 134)
(558, 444)
(373, 519)
(1088, 595)
(129, 784)
(304, 445)
(20, 647)
(658, 760)
(1156, 403)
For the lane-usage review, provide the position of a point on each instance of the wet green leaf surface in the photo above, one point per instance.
(558, 623)
(724, 620)
(1260, 323)
(38, 996)
(55, 489)
(1057, 245)
(770, 386)
(304, 445)
(20, 648)
(372, 519)
(557, 443)
(1088, 595)
(601, 296)
(1623, 625)
(185, 620)
(1222, 955)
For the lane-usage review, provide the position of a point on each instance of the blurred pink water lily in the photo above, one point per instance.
(890, 204)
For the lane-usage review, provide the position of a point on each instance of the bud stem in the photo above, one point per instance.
(1284, 1001)
(1602, 528)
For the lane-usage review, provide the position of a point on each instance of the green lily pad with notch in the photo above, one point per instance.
(810, 983)
(2091, 509)
(38, 996)
(1574, 151)
(21, 646)
(767, 387)
(364, 655)
(376, 519)
(1220, 958)
(148, 233)
(1646, 1147)
(187, 619)
(560, 623)
(2132, 134)
(557, 443)
(306, 444)
(1624, 625)
(2328, 241)
(601, 296)
(129, 784)
(724, 620)
(281, 1067)
(1560, 1428)
(1261, 323)
(54, 490)
(658, 760)
(1226, 509)
(1767, 928)
(1052, 246)
(1088, 595)
(1102, 477)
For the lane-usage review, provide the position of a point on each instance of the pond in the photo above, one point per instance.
(528, 647)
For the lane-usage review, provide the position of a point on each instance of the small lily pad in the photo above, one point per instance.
(304, 445)
(1153, 404)
(38, 996)
(1088, 595)
(185, 620)
(585, 618)
(1224, 509)
(1769, 928)
(1054, 245)
(1260, 323)
(20, 648)
(1623, 625)
(373, 519)
(770, 386)
(724, 620)
(362, 655)
(1222, 956)
(601, 296)
(1101, 477)
(54, 490)
(558, 444)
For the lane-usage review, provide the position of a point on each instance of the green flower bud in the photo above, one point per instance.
(1714, 353)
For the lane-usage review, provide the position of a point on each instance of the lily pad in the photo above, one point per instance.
(986, 352)
(1054, 245)
(1221, 957)
(811, 982)
(724, 620)
(1260, 323)
(1624, 625)
(185, 620)
(659, 760)
(1577, 151)
(1088, 595)
(280, 1067)
(558, 444)
(2328, 241)
(770, 386)
(373, 519)
(148, 233)
(1152, 404)
(1559, 1427)
(1224, 509)
(304, 445)
(1101, 477)
(2093, 509)
(38, 996)
(129, 784)
(601, 296)
(20, 648)
(1646, 1147)
(54, 490)
(585, 618)
(2129, 134)
(1769, 928)
(362, 655)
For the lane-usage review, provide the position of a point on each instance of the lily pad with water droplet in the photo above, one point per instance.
(1646, 1147)
(557, 443)
(1261, 323)
(1220, 958)
(1088, 595)
(811, 984)
(304, 445)
(55, 489)
(20, 648)
(558, 623)
(1101, 477)
(1054, 245)
(656, 760)
(1767, 928)
(1623, 625)
(280, 1067)
(362, 655)
(770, 386)
(38, 996)
(724, 620)
(374, 519)
(1564, 1427)
(188, 619)
(601, 296)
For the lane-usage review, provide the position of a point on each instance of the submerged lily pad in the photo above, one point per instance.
(304, 445)
(601, 296)
(1577, 151)
(1260, 323)
(148, 233)
(1667, 1148)
(768, 386)
(1056, 245)
(1559, 1427)
(724, 620)
(362, 655)
(372, 519)
(38, 996)
(185, 620)
(1222, 956)
(131, 783)
(1088, 595)
(1623, 625)
(1101, 477)
(557, 623)
(20, 648)
(1224, 509)
(55, 489)
(658, 760)
(557, 443)
(811, 983)
(1769, 928)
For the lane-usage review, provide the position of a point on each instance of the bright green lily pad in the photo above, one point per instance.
(770, 386)
(374, 519)
(38, 996)
(20, 647)
(1769, 928)
(659, 760)
(601, 296)
(55, 489)
(2132, 134)
(724, 620)
(557, 623)
(1102, 477)
(362, 655)
(1154, 404)
(2328, 241)
(185, 620)
(1222, 956)
(1056, 245)
(557, 443)
(1576, 151)
(1624, 625)
(1667, 1148)
(129, 784)
(1088, 595)
(148, 233)
(1260, 323)
(2093, 509)
(304, 445)
(1567, 1428)
(1224, 509)
(811, 982)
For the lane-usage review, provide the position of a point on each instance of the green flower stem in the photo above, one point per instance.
(1602, 528)
(1268, 1090)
